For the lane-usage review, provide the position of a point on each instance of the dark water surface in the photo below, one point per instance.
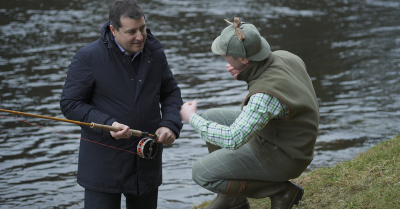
(351, 49)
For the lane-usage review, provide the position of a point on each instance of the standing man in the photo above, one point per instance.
(272, 139)
(122, 80)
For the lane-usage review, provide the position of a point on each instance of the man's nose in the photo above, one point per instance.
(139, 36)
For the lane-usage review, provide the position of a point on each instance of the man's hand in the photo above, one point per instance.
(188, 109)
(232, 71)
(165, 136)
(124, 133)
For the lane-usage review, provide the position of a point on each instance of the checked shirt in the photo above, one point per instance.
(255, 115)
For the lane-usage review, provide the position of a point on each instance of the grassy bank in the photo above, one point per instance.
(370, 180)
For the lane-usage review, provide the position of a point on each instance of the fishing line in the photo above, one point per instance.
(60, 132)
(202, 94)
(190, 184)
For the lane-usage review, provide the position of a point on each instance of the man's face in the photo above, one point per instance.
(236, 65)
(131, 35)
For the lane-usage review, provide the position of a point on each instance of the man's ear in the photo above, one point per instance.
(245, 61)
(113, 30)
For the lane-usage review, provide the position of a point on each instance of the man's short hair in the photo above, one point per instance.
(124, 8)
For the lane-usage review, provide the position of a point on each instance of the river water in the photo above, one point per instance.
(351, 49)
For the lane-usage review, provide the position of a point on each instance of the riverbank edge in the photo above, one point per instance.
(370, 180)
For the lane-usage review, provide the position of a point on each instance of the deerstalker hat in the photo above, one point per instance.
(241, 40)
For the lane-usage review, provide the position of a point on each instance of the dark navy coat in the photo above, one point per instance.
(101, 87)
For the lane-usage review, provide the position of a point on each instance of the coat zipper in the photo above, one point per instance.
(130, 63)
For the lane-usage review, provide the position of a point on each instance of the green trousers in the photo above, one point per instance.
(214, 170)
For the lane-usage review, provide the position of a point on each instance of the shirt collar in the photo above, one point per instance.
(123, 50)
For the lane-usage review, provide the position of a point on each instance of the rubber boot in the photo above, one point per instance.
(223, 201)
(283, 195)
(291, 196)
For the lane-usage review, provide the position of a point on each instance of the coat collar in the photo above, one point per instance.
(255, 69)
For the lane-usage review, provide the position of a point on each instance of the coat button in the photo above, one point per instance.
(148, 62)
(275, 148)
(140, 81)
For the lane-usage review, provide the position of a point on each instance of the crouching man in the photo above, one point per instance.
(254, 152)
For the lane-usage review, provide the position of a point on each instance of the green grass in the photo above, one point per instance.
(370, 180)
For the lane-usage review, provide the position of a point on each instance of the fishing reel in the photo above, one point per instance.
(147, 148)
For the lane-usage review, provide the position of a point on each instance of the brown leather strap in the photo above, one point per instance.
(242, 186)
(229, 186)
(241, 189)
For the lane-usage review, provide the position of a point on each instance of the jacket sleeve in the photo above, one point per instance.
(76, 95)
(170, 99)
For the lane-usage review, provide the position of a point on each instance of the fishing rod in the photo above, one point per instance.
(145, 147)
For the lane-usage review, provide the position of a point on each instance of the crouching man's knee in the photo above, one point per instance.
(198, 174)
(206, 179)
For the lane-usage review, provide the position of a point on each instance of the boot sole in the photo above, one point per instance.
(298, 197)
(244, 206)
